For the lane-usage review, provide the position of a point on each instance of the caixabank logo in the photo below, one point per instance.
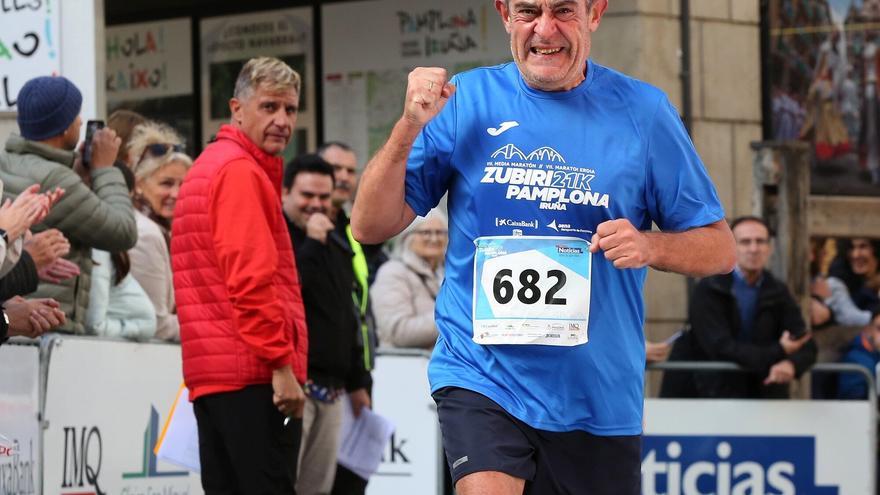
(692, 465)
(16, 467)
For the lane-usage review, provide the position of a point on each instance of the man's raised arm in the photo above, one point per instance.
(380, 209)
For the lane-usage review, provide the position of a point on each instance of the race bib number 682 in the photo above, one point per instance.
(531, 290)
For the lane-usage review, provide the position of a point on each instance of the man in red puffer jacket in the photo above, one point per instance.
(242, 323)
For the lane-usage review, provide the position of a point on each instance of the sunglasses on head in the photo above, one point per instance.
(157, 150)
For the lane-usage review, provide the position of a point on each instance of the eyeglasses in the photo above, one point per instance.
(432, 233)
(759, 242)
(157, 150)
(341, 168)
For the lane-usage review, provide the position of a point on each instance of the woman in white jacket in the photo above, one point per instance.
(118, 305)
(406, 287)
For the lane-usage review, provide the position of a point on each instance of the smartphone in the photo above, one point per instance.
(91, 127)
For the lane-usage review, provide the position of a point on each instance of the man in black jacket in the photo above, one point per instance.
(748, 317)
(365, 262)
(336, 362)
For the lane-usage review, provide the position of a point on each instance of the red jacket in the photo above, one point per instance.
(236, 285)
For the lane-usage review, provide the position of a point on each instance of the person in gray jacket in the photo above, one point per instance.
(407, 285)
(95, 210)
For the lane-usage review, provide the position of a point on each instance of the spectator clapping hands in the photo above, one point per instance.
(34, 317)
(47, 249)
(28, 208)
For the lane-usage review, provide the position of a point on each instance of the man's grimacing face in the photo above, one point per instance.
(550, 39)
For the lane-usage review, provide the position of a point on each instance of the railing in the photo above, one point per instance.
(735, 368)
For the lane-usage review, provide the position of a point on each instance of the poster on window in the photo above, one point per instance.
(230, 41)
(29, 46)
(823, 68)
(149, 70)
(370, 47)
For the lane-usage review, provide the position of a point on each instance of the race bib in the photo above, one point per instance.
(531, 290)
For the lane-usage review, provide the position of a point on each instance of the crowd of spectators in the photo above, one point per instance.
(90, 240)
(88, 224)
(750, 318)
(85, 249)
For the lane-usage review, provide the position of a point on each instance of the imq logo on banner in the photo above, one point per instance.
(85, 455)
(730, 465)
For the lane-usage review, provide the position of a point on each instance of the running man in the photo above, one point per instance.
(556, 168)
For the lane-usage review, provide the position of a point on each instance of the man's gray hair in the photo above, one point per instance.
(589, 3)
(271, 73)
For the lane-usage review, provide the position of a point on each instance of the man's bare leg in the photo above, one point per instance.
(490, 483)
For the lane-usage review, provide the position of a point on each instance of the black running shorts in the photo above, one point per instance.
(478, 435)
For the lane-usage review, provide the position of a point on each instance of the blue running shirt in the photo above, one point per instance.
(523, 163)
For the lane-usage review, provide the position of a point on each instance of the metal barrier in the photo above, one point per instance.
(394, 351)
(733, 367)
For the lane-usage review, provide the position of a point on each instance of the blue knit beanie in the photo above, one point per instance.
(47, 106)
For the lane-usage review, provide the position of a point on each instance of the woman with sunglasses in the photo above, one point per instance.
(159, 168)
(406, 286)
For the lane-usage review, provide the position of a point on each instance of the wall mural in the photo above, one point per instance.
(824, 72)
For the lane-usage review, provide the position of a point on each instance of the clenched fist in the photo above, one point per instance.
(623, 244)
(427, 92)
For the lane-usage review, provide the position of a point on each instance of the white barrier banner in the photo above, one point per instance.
(19, 420)
(411, 461)
(105, 403)
(738, 447)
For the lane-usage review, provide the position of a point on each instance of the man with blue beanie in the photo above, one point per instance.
(95, 210)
